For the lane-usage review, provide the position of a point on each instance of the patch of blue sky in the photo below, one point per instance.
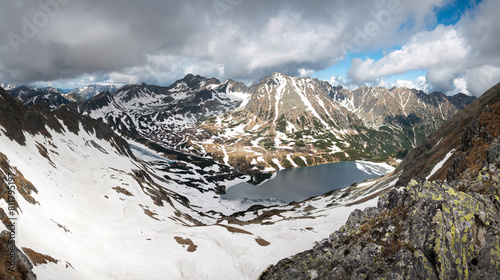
(450, 14)
(340, 69)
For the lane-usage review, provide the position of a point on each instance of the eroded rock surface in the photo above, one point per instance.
(426, 230)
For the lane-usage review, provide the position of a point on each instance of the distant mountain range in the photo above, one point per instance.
(85, 93)
(32, 96)
(8, 86)
(54, 97)
(280, 122)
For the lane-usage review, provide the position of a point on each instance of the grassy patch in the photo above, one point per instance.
(268, 144)
(286, 163)
(150, 214)
(236, 230)
(299, 161)
(281, 125)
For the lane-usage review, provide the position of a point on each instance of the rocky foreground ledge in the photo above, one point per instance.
(426, 230)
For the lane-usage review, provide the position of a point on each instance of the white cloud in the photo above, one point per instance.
(165, 69)
(109, 41)
(341, 81)
(460, 86)
(305, 72)
(482, 78)
(247, 41)
(419, 83)
(334, 80)
(441, 47)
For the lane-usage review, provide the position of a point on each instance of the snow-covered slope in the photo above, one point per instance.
(162, 114)
(92, 208)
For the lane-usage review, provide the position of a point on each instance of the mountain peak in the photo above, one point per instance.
(8, 86)
(197, 81)
(31, 96)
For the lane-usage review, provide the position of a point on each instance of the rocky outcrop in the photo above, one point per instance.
(426, 230)
(14, 264)
(474, 126)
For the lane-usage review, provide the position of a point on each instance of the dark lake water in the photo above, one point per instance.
(301, 183)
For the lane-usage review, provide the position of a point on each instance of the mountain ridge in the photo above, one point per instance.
(82, 94)
(284, 111)
(277, 123)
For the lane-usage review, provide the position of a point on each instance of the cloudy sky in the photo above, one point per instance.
(433, 45)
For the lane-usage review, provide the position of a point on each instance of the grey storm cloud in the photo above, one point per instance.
(158, 41)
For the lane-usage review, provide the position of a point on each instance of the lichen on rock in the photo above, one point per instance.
(426, 230)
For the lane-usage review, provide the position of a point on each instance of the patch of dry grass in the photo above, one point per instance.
(262, 242)
(150, 214)
(236, 230)
(38, 258)
(122, 191)
(186, 242)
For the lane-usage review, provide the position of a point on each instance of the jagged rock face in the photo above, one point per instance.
(451, 145)
(300, 104)
(18, 268)
(31, 96)
(415, 112)
(424, 229)
(461, 100)
(16, 118)
(192, 82)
